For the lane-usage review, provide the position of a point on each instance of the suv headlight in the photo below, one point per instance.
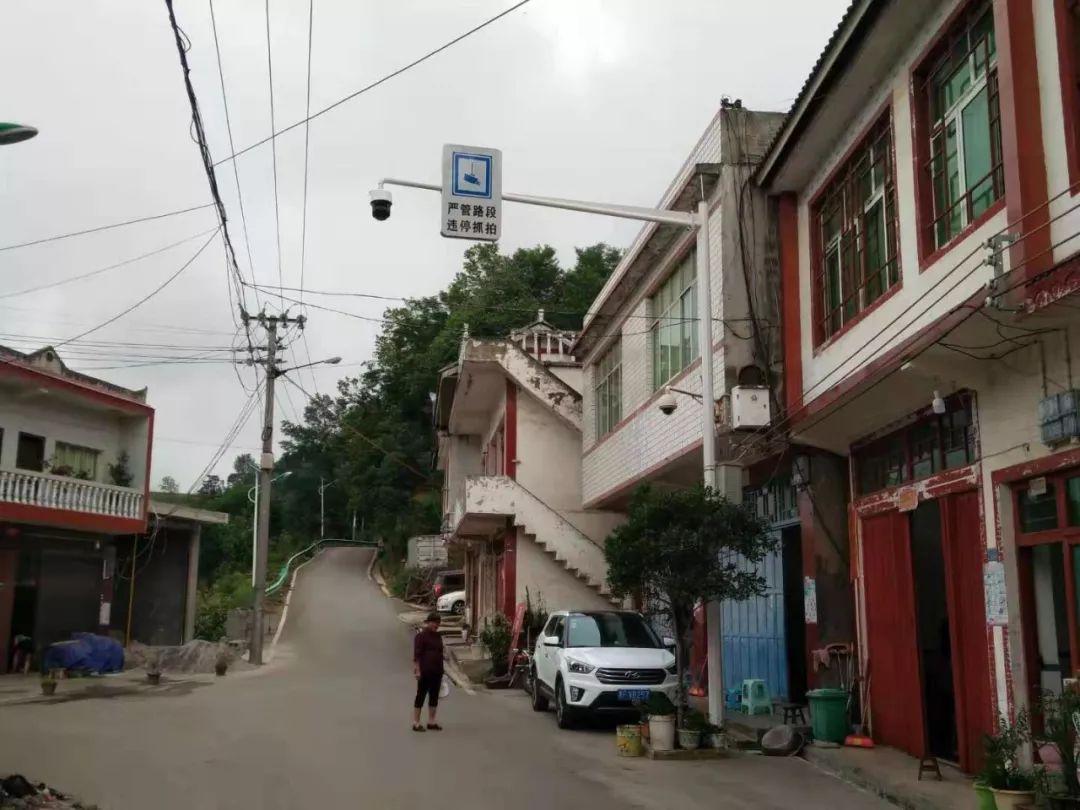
(579, 667)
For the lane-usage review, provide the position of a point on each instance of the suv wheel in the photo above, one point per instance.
(539, 702)
(563, 714)
(458, 609)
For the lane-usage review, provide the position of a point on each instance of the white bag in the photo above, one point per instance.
(444, 687)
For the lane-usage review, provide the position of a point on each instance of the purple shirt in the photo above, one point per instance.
(428, 652)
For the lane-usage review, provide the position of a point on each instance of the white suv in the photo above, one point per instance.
(599, 662)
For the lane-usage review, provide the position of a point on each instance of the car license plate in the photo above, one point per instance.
(633, 694)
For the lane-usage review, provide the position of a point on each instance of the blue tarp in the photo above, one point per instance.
(86, 652)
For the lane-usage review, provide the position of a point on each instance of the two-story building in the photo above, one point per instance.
(640, 347)
(508, 416)
(925, 186)
(74, 474)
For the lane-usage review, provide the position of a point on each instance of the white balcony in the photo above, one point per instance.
(33, 489)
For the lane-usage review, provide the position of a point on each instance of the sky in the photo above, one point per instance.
(599, 100)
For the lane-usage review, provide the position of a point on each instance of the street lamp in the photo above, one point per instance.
(330, 361)
(253, 496)
(698, 221)
(322, 506)
(14, 133)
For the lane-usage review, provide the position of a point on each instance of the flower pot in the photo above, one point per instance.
(1049, 756)
(154, 678)
(689, 738)
(48, 687)
(717, 740)
(220, 669)
(1012, 799)
(984, 797)
(644, 726)
(628, 740)
(662, 732)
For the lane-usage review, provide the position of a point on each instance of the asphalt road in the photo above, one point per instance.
(326, 725)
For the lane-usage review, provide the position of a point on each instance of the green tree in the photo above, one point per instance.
(168, 484)
(683, 547)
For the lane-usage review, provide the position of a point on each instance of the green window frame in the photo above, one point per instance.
(673, 333)
(856, 220)
(965, 160)
(607, 390)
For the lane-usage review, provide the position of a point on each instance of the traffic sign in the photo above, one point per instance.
(471, 193)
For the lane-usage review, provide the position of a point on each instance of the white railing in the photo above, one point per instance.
(69, 494)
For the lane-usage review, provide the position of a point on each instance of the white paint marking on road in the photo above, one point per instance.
(285, 612)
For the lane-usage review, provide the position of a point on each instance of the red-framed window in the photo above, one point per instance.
(1067, 17)
(854, 218)
(929, 444)
(958, 128)
(1047, 520)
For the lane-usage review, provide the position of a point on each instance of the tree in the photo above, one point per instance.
(168, 484)
(212, 486)
(683, 547)
(244, 468)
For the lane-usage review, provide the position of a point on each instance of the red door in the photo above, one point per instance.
(963, 549)
(896, 703)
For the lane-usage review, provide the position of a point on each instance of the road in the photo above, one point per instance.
(326, 725)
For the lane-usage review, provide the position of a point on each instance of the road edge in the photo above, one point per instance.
(285, 611)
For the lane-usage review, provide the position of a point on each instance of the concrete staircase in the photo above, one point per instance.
(555, 535)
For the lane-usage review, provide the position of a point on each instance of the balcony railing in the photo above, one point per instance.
(69, 494)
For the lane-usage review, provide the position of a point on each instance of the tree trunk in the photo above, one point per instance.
(682, 642)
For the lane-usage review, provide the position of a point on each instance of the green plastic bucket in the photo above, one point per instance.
(984, 798)
(828, 714)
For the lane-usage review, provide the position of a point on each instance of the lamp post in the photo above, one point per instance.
(14, 133)
(697, 220)
(322, 506)
(253, 496)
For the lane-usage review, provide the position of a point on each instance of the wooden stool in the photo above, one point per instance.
(793, 712)
(928, 768)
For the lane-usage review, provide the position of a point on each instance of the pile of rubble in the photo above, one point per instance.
(18, 793)
(195, 657)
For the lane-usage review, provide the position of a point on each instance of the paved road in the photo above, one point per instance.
(326, 725)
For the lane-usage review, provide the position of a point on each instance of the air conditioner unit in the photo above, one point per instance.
(1059, 417)
(750, 407)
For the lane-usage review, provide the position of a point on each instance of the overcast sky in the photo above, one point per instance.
(592, 99)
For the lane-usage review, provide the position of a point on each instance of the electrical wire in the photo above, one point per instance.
(273, 142)
(92, 273)
(105, 227)
(145, 298)
(378, 82)
(304, 209)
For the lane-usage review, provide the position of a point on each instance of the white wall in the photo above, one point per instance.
(548, 454)
(463, 460)
(558, 588)
(925, 294)
(62, 421)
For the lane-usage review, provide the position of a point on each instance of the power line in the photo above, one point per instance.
(92, 273)
(376, 83)
(144, 299)
(307, 149)
(273, 143)
(105, 227)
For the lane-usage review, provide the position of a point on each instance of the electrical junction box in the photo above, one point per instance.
(1059, 417)
(750, 407)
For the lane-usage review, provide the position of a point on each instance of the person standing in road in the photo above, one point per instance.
(428, 670)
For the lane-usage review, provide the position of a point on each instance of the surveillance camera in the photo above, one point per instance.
(667, 403)
(381, 200)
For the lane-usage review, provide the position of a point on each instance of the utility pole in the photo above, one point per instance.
(323, 486)
(266, 466)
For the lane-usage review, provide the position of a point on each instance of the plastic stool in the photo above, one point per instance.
(755, 697)
(732, 697)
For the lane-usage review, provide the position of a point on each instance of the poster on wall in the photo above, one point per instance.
(997, 606)
(810, 599)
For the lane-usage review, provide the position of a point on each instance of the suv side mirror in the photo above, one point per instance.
(669, 642)
(552, 641)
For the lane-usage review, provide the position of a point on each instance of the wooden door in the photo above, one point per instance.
(896, 702)
(963, 548)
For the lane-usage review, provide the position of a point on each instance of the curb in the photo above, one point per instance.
(285, 611)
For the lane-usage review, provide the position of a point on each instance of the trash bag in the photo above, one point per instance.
(18, 786)
(444, 687)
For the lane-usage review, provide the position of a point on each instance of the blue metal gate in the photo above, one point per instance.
(753, 631)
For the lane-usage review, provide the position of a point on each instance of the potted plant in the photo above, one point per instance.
(1060, 724)
(692, 727)
(716, 737)
(48, 682)
(1003, 783)
(661, 713)
(153, 667)
(221, 664)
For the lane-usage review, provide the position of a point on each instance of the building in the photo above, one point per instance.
(74, 500)
(641, 339)
(508, 416)
(924, 186)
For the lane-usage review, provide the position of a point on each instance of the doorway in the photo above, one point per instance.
(1053, 650)
(794, 613)
(934, 632)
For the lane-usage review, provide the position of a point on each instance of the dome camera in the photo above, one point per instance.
(381, 200)
(667, 403)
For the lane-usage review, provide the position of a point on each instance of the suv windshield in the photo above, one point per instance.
(609, 630)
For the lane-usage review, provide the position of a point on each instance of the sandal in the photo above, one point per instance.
(418, 728)
(434, 727)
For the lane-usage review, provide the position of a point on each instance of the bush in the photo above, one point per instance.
(230, 591)
(659, 704)
(496, 640)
